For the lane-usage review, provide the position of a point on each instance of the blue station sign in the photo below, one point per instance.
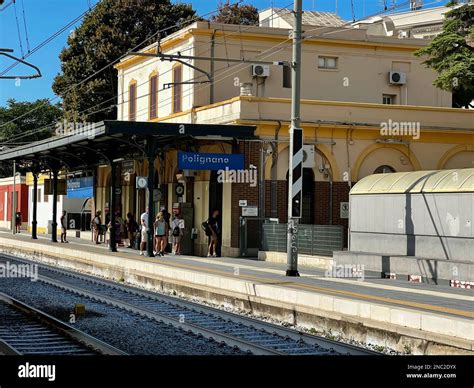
(80, 187)
(200, 161)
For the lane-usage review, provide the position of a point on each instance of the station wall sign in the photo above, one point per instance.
(344, 210)
(202, 161)
(250, 211)
(80, 187)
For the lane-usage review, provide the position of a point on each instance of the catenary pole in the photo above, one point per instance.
(295, 170)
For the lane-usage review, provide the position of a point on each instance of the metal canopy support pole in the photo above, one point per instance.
(54, 224)
(151, 155)
(112, 206)
(34, 222)
(295, 176)
(13, 215)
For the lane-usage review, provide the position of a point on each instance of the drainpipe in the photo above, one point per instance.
(261, 194)
(211, 85)
(274, 175)
(330, 196)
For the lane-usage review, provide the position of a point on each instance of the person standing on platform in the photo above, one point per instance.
(18, 222)
(177, 229)
(144, 231)
(96, 225)
(131, 227)
(161, 229)
(167, 217)
(212, 224)
(63, 221)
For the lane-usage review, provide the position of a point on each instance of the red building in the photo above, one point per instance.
(6, 199)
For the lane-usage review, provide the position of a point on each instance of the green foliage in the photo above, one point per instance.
(236, 14)
(25, 129)
(451, 54)
(112, 29)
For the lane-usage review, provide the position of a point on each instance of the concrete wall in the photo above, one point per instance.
(428, 225)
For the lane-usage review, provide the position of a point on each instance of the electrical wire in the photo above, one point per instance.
(105, 67)
(18, 30)
(118, 59)
(26, 29)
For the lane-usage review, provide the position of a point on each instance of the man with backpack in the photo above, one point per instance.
(177, 229)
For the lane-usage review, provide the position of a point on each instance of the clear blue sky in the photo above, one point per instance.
(45, 17)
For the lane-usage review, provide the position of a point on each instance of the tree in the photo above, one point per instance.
(451, 54)
(235, 14)
(37, 125)
(109, 31)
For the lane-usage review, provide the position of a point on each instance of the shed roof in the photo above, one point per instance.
(443, 181)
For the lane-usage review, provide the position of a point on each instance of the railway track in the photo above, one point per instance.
(248, 334)
(25, 330)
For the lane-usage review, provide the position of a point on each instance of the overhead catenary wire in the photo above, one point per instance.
(47, 41)
(18, 30)
(115, 61)
(123, 92)
(25, 25)
(225, 70)
(106, 66)
(145, 95)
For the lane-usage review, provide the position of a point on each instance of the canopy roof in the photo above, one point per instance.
(460, 180)
(109, 140)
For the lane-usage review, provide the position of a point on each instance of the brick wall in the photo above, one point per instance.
(251, 151)
(321, 197)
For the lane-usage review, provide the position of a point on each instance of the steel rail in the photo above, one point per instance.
(75, 336)
(297, 336)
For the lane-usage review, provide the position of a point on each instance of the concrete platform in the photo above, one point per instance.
(441, 272)
(412, 318)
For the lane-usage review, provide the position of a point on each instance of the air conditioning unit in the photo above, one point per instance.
(260, 70)
(308, 156)
(403, 34)
(397, 78)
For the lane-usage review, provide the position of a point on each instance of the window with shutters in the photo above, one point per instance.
(153, 97)
(132, 101)
(177, 88)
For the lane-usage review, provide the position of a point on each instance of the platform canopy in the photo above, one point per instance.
(442, 181)
(100, 143)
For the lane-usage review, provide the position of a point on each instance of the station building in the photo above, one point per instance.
(357, 119)
(368, 106)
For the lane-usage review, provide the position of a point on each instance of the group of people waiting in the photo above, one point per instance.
(161, 232)
(125, 230)
(128, 231)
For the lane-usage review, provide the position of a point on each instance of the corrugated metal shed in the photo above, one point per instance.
(444, 181)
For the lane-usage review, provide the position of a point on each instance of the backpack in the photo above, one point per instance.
(205, 227)
(176, 231)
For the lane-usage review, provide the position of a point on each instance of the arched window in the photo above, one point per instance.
(384, 169)
(177, 88)
(153, 96)
(132, 101)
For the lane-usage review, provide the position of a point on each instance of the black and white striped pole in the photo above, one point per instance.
(295, 171)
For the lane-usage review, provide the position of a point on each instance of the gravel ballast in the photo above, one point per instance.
(129, 332)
